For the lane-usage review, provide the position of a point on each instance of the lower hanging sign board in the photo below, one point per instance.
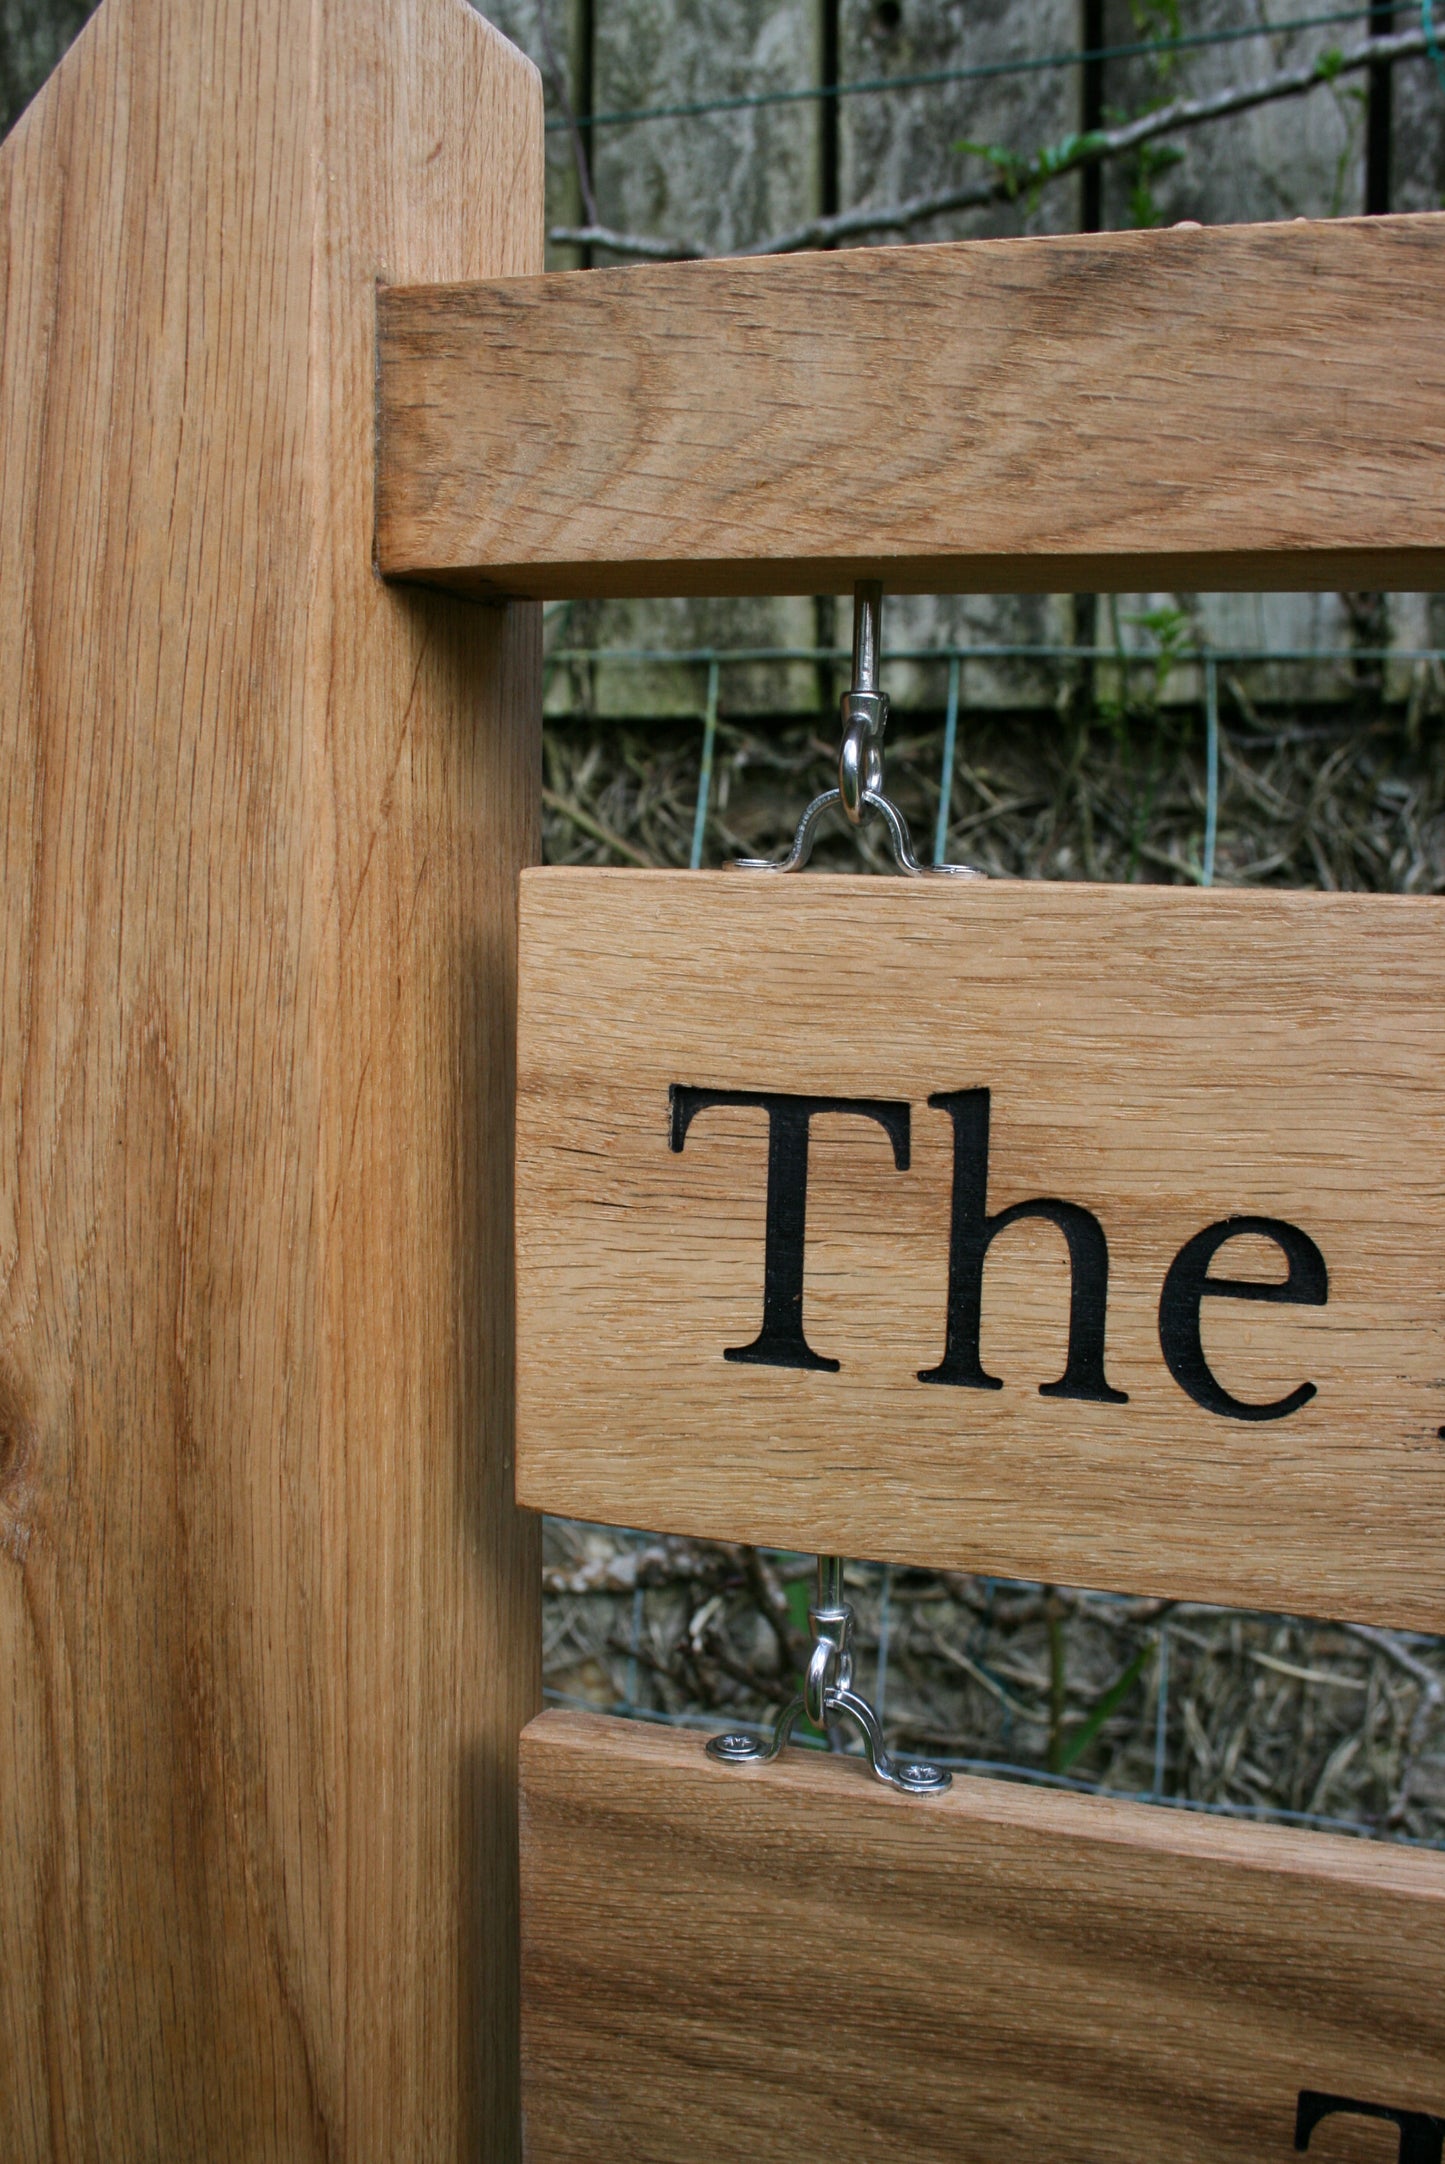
(1087, 1234)
(779, 1966)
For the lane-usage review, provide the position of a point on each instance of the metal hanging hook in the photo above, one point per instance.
(828, 1695)
(863, 711)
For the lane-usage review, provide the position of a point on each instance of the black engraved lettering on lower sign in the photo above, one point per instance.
(1422, 2136)
(1188, 1283)
(972, 1232)
(780, 1343)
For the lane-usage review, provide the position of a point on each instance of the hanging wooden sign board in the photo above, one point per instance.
(1087, 1234)
(795, 1963)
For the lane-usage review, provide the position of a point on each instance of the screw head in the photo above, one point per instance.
(734, 1747)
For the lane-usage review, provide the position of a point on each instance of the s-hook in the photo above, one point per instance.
(863, 711)
(828, 1694)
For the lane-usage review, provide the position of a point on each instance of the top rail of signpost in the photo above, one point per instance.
(1238, 407)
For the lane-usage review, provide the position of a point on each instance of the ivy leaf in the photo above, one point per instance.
(1010, 167)
(1058, 157)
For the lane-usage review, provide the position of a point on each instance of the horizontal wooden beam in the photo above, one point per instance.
(909, 1219)
(1246, 407)
(776, 1966)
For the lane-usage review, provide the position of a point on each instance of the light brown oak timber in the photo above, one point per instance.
(1250, 406)
(268, 1616)
(1161, 1058)
(788, 1963)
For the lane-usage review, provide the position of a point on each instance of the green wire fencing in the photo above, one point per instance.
(710, 663)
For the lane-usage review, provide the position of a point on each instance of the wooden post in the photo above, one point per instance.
(267, 1615)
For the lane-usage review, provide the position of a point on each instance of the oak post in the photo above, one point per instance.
(267, 1612)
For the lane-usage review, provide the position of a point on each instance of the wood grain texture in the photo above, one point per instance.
(1163, 1058)
(267, 1612)
(773, 1966)
(1257, 406)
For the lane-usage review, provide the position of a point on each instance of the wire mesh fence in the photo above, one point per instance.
(1111, 775)
(1139, 48)
(1338, 1727)
(1178, 766)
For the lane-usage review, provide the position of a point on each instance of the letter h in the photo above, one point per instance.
(971, 1234)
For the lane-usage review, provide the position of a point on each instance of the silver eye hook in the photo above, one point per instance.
(863, 711)
(828, 1695)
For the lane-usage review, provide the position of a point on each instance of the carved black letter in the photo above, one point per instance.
(1189, 1282)
(781, 1343)
(972, 1232)
(1422, 2137)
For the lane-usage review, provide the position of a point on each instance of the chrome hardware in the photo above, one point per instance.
(898, 835)
(863, 711)
(828, 1695)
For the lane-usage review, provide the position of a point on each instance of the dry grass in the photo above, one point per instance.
(1338, 799)
(1245, 1712)
(1257, 1714)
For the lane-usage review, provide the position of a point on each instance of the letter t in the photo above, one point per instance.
(780, 1343)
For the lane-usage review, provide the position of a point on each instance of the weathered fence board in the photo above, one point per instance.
(794, 1963)
(956, 1279)
(1239, 407)
(268, 1619)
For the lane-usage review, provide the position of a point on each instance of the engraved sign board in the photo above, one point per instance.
(794, 1963)
(1079, 1233)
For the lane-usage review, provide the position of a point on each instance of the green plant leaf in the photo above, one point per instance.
(1093, 1721)
(1010, 167)
(1152, 16)
(799, 1597)
(798, 1593)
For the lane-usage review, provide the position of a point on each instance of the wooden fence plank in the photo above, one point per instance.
(268, 1618)
(1255, 406)
(736, 1325)
(791, 1963)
